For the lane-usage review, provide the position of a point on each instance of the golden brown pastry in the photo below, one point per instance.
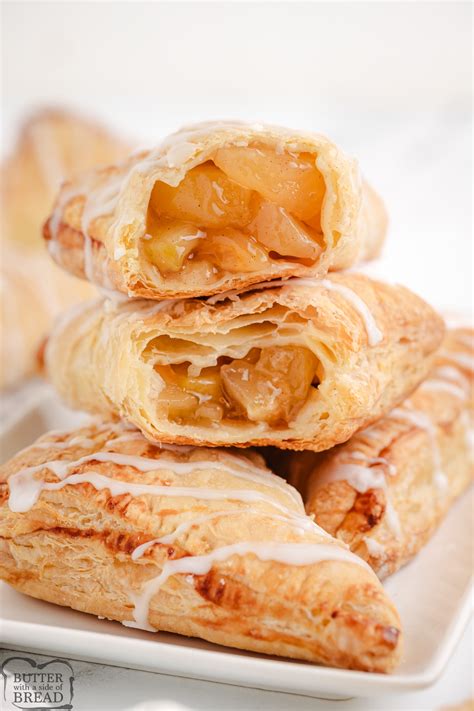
(217, 206)
(53, 145)
(302, 365)
(33, 291)
(385, 491)
(205, 543)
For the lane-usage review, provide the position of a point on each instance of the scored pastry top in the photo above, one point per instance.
(217, 206)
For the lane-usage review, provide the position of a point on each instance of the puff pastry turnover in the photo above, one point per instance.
(386, 490)
(300, 365)
(217, 206)
(33, 291)
(205, 543)
(53, 145)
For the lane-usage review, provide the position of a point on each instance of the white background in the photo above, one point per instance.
(389, 81)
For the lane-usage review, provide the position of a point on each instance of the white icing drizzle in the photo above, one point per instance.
(66, 194)
(88, 258)
(25, 489)
(456, 320)
(374, 334)
(375, 548)
(132, 437)
(74, 442)
(391, 469)
(360, 478)
(463, 360)
(183, 527)
(179, 153)
(450, 373)
(469, 432)
(437, 384)
(423, 422)
(293, 554)
(392, 519)
(363, 478)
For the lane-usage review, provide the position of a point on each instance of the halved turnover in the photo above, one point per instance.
(205, 543)
(217, 206)
(301, 365)
(385, 491)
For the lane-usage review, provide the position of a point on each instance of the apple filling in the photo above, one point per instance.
(240, 211)
(269, 385)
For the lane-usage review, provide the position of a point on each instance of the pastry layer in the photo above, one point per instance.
(205, 543)
(53, 145)
(385, 491)
(33, 291)
(217, 206)
(301, 365)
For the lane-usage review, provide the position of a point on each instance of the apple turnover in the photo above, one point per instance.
(217, 206)
(205, 543)
(53, 145)
(302, 364)
(33, 291)
(385, 491)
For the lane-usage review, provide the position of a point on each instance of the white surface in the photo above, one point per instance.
(433, 595)
(105, 688)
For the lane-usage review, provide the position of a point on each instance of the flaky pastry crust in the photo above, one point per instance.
(53, 145)
(100, 220)
(373, 344)
(385, 491)
(33, 291)
(92, 518)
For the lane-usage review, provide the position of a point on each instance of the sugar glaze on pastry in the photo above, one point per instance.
(205, 543)
(214, 207)
(302, 364)
(385, 491)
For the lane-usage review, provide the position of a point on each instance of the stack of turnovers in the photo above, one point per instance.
(52, 146)
(241, 332)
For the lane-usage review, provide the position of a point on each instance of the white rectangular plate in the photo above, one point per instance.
(433, 595)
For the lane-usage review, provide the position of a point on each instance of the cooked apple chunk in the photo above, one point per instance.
(239, 212)
(268, 385)
(170, 242)
(274, 388)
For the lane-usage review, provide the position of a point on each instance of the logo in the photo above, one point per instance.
(39, 687)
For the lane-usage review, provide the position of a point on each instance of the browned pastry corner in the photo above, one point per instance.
(205, 543)
(53, 145)
(217, 206)
(386, 490)
(302, 365)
